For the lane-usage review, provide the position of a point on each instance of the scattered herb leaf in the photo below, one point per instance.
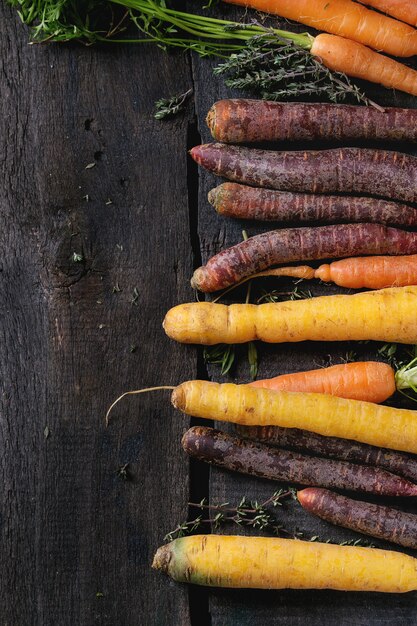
(220, 354)
(90, 165)
(77, 257)
(253, 359)
(169, 107)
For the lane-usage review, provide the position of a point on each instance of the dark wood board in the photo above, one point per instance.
(76, 539)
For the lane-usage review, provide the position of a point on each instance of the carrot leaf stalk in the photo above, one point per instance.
(406, 377)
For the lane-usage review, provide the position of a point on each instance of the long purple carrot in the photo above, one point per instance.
(344, 170)
(218, 448)
(334, 448)
(300, 244)
(375, 520)
(246, 121)
(254, 203)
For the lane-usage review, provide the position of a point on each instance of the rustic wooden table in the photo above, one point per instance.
(103, 218)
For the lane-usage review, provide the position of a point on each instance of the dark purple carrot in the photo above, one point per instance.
(332, 447)
(375, 520)
(254, 203)
(343, 170)
(300, 244)
(247, 121)
(218, 448)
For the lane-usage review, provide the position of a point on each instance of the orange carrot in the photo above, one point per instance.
(375, 272)
(405, 10)
(347, 19)
(350, 57)
(368, 381)
(372, 272)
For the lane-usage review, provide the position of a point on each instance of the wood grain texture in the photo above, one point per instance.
(77, 540)
(295, 608)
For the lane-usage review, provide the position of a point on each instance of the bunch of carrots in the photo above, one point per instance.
(323, 429)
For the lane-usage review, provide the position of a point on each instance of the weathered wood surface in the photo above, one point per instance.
(77, 540)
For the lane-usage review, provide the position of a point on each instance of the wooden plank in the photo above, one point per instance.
(312, 608)
(77, 540)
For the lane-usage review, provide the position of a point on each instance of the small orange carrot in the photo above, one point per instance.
(369, 381)
(345, 18)
(404, 10)
(372, 272)
(350, 57)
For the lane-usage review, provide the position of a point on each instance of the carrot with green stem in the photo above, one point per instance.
(345, 18)
(241, 120)
(246, 457)
(371, 381)
(387, 315)
(257, 203)
(276, 247)
(375, 520)
(273, 563)
(404, 10)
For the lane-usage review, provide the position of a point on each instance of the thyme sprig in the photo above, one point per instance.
(278, 296)
(169, 107)
(277, 69)
(249, 513)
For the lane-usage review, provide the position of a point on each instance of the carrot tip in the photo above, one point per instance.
(197, 278)
(178, 398)
(306, 496)
(162, 558)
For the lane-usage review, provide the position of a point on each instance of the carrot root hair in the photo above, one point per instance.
(133, 393)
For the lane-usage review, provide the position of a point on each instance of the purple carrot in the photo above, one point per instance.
(218, 448)
(375, 520)
(334, 448)
(246, 121)
(254, 203)
(342, 170)
(300, 244)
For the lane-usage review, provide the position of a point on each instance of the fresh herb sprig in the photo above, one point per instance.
(250, 514)
(169, 107)
(247, 513)
(276, 70)
(221, 354)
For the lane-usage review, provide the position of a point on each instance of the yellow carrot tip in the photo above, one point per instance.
(162, 558)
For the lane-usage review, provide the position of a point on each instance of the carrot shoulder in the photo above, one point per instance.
(347, 19)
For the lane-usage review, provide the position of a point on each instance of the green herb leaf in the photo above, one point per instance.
(220, 354)
(253, 359)
(169, 107)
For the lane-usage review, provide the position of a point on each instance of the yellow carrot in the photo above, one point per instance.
(271, 563)
(327, 415)
(385, 315)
